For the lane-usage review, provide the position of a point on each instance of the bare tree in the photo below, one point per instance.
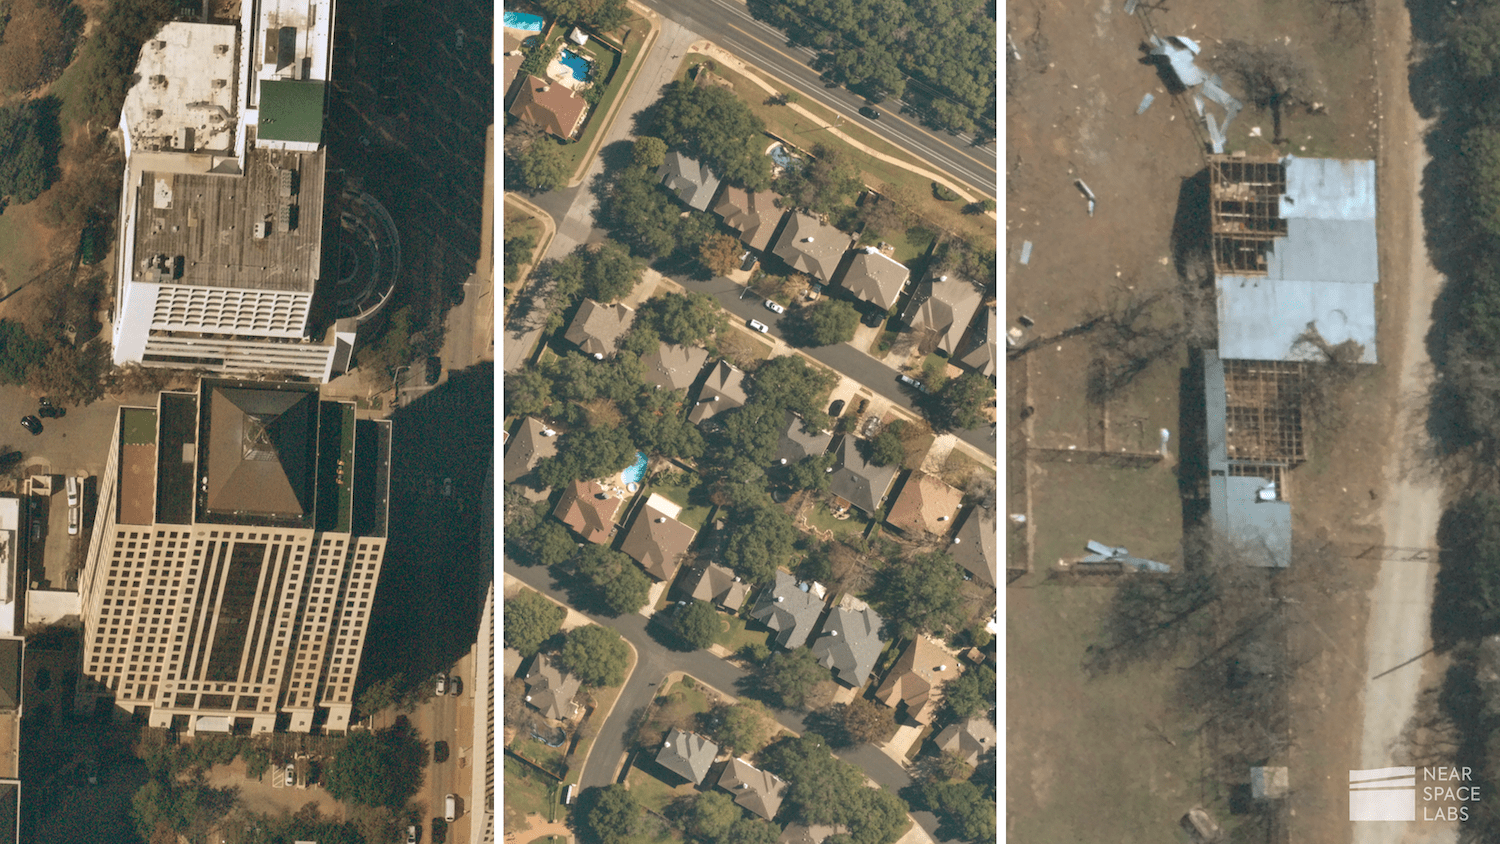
(1275, 76)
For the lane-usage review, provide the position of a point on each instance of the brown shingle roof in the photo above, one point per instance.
(724, 389)
(756, 790)
(674, 367)
(974, 546)
(925, 505)
(718, 585)
(968, 738)
(586, 509)
(526, 448)
(550, 105)
(875, 278)
(754, 215)
(946, 305)
(811, 247)
(597, 328)
(658, 542)
(916, 677)
(979, 349)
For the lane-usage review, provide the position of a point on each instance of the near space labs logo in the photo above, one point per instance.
(1392, 794)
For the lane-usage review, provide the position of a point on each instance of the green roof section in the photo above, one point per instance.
(291, 111)
(138, 425)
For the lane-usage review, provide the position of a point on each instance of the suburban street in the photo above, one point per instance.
(728, 23)
(655, 661)
(841, 357)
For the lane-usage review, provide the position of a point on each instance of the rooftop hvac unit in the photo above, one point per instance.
(285, 183)
(260, 229)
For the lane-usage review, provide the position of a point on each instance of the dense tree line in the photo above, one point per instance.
(37, 42)
(716, 128)
(106, 62)
(822, 789)
(29, 140)
(949, 45)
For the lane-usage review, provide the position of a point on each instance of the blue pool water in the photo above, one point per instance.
(634, 474)
(582, 68)
(523, 21)
(784, 158)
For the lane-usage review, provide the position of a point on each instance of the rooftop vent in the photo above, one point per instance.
(598, 356)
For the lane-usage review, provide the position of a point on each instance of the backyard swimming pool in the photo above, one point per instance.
(522, 21)
(582, 68)
(637, 471)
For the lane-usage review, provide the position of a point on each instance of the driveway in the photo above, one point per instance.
(655, 662)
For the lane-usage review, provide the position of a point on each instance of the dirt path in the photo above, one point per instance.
(1400, 602)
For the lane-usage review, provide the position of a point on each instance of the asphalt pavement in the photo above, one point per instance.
(728, 23)
(655, 662)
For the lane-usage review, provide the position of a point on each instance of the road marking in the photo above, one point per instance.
(911, 145)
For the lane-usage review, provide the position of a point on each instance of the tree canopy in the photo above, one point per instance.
(961, 403)
(829, 179)
(648, 152)
(745, 727)
(973, 692)
(586, 453)
(760, 539)
(38, 41)
(716, 128)
(618, 581)
(29, 140)
(687, 320)
(825, 790)
(697, 624)
(530, 620)
(378, 769)
(788, 678)
(611, 814)
(720, 253)
(603, 15)
(869, 722)
(920, 595)
(595, 655)
(825, 322)
(541, 167)
(790, 383)
(20, 353)
(962, 808)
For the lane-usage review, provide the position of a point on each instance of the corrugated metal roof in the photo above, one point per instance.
(1262, 528)
(1328, 189)
(1341, 251)
(1262, 319)
(1217, 411)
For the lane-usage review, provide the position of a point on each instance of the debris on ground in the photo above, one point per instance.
(1145, 103)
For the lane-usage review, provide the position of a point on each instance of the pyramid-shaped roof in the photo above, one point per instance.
(262, 444)
(850, 643)
(658, 542)
(756, 790)
(725, 389)
(687, 754)
(857, 480)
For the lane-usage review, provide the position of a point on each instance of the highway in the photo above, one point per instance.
(728, 23)
(655, 661)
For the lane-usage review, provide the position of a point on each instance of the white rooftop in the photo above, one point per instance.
(186, 88)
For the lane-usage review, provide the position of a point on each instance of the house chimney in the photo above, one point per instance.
(942, 518)
(809, 240)
(528, 698)
(942, 278)
(833, 632)
(956, 540)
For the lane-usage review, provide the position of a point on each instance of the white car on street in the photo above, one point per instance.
(759, 326)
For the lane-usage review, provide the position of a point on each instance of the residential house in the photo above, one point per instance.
(588, 510)
(811, 247)
(550, 105)
(916, 678)
(754, 215)
(756, 790)
(693, 183)
(724, 390)
(796, 833)
(851, 642)
(533, 441)
(974, 546)
(718, 585)
(795, 443)
(875, 278)
(510, 662)
(789, 609)
(673, 367)
(968, 738)
(658, 542)
(945, 305)
(1295, 247)
(857, 481)
(925, 505)
(552, 690)
(597, 329)
(688, 755)
(977, 351)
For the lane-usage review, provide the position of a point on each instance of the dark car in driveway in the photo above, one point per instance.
(836, 408)
(32, 424)
(873, 319)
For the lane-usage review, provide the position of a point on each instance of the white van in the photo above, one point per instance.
(450, 813)
(72, 491)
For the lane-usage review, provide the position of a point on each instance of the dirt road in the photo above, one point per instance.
(1400, 602)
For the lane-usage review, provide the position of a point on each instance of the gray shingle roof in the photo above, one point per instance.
(673, 367)
(850, 643)
(947, 305)
(725, 389)
(794, 445)
(974, 546)
(788, 611)
(526, 448)
(979, 350)
(687, 754)
(756, 790)
(693, 183)
(968, 738)
(551, 690)
(856, 480)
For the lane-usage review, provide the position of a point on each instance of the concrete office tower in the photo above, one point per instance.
(221, 216)
(234, 559)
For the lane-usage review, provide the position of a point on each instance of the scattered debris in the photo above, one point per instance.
(1130, 6)
(1119, 558)
(1025, 321)
(1255, 131)
(1145, 104)
(1026, 253)
(1179, 52)
(1014, 53)
(1087, 194)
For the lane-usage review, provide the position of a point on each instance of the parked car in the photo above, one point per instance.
(72, 491)
(51, 412)
(757, 325)
(32, 424)
(440, 751)
(73, 518)
(913, 383)
(871, 425)
(836, 408)
(442, 684)
(774, 307)
(450, 808)
(455, 686)
(434, 369)
(869, 112)
(873, 319)
(411, 834)
(291, 774)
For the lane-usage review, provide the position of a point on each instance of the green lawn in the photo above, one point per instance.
(679, 490)
(822, 518)
(785, 123)
(652, 792)
(1117, 763)
(736, 635)
(618, 69)
(550, 758)
(911, 246)
(526, 791)
(691, 694)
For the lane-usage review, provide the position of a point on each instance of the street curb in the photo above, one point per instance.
(614, 108)
(635, 657)
(549, 231)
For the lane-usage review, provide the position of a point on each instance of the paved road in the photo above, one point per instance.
(842, 357)
(603, 765)
(728, 24)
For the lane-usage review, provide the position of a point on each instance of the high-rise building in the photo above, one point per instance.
(221, 234)
(234, 559)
